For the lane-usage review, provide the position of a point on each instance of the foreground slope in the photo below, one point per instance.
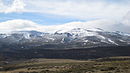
(102, 65)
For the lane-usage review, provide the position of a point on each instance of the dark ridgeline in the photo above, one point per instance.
(80, 53)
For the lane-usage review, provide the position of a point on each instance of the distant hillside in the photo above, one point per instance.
(62, 39)
(80, 53)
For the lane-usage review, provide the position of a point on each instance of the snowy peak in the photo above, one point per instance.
(78, 37)
(81, 32)
(23, 34)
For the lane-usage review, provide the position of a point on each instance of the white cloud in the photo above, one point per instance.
(17, 25)
(20, 25)
(105, 12)
(16, 6)
(126, 19)
(80, 9)
(2, 6)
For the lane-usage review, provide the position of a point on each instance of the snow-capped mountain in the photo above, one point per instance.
(77, 37)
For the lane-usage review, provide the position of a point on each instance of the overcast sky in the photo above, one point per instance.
(59, 12)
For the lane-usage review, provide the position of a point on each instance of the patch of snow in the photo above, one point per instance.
(112, 42)
(100, 36)
(122, 40)
(86, 41)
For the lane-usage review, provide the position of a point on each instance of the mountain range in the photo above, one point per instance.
(64, 39)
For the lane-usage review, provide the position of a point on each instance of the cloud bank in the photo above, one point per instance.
(81, 9)
(16, 6)
(26, 25)
(110, 15)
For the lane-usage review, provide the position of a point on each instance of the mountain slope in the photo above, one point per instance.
(77, 37)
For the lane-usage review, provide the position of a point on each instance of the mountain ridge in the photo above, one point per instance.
(77, 37)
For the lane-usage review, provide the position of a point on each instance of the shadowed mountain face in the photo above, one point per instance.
(81, 53)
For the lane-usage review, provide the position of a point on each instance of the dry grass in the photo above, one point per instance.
(69, 66)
